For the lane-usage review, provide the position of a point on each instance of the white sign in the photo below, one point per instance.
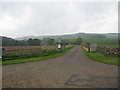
(59, 46)
(93, 47)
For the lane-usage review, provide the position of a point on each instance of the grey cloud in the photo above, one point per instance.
(58, 18)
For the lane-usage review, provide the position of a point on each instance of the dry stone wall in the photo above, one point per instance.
(112, 51)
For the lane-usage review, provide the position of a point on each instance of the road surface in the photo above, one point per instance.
(72, 70)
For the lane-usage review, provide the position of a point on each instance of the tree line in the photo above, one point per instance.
(38, 42)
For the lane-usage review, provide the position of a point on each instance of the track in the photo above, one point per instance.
(73, 70)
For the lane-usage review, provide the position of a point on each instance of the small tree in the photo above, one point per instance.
(51, 41)
(65, 41)
(78, 41)
(34, 42)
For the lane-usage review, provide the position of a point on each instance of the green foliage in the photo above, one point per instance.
(51, 41)
(11, 42)
(65, 41)
(78, 40)
(34, 42)
(47, 52)
(75, 41)
(101, 57)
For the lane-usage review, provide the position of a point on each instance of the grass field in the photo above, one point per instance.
(109, 42)
(101, 57)
(17, 61)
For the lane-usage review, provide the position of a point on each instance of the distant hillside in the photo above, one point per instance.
(72, 36)
(112, 35)
(23, 41)
(25, 38)
(83, 35)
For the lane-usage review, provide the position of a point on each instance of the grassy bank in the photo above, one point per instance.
(101, 57)
(17, 61)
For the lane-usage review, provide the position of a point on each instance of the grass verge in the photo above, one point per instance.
(101, 57)
(17, 61)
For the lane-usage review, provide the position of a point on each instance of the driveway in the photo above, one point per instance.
(72, 70)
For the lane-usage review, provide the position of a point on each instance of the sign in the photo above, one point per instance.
(59, 46)
(93, 47)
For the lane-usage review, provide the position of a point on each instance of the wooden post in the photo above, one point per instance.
(93, 47)
(3, 53)
(0, 53)
(88, 46)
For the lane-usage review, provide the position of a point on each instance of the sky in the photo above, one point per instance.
(18, 19)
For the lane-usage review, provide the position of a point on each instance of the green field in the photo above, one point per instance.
(17, 61)
(110, 42)
(101, 57)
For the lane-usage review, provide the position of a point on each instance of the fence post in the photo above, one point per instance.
(3, 53)
(88, 46)
(0, 53)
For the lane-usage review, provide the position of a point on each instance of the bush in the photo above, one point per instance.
(47, 52)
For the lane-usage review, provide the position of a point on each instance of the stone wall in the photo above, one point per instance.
(109, 51)
(112, 51)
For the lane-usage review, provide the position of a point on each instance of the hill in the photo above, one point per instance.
(72, 36)
(112, 35)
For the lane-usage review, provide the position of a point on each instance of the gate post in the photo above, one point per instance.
(88, 46)
(3, 53)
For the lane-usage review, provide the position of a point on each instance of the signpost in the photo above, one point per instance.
(0, 53)
(92, 47)
(59, 44)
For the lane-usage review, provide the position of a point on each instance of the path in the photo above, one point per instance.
(71, 70)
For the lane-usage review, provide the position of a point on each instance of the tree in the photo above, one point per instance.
(30, 41)
(51, 41)
(12, 42)
(34, 42)
(78, 40)
(65, 41)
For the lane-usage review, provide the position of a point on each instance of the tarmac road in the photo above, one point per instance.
(72, 70)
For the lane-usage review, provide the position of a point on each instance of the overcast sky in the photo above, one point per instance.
(19, 19)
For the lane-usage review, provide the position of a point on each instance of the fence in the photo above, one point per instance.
(19, 52)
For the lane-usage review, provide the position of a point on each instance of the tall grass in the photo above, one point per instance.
(101, 57)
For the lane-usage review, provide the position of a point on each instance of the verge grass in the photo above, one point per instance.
(101, 57)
